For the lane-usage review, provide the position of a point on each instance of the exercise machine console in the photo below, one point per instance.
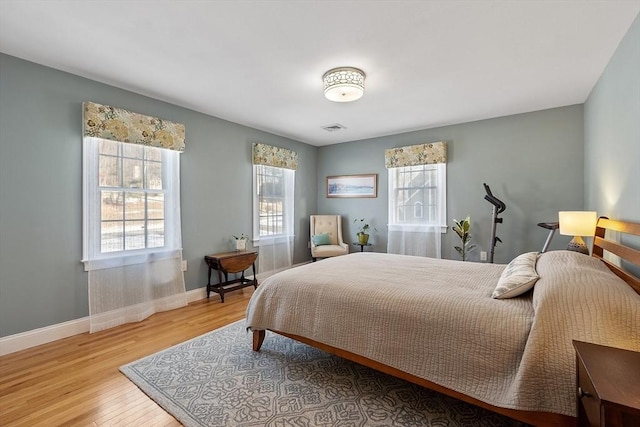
(498, 208)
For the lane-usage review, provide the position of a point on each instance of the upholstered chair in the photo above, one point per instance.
(326, 236)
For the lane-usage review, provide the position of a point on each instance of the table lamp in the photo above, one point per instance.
(577, 224)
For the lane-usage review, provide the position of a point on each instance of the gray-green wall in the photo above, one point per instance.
(533, 162)
(612, 137)
(42, 281)
(612, 134)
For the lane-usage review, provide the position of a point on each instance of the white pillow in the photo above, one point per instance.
(518, 277)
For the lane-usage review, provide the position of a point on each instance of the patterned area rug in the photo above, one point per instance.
(217, 380)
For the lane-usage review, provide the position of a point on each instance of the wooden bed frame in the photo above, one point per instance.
(600, 245)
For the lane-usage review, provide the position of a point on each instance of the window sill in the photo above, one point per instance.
(272, 240)
(121, 259)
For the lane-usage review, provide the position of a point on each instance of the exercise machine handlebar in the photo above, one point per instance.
(500, 206)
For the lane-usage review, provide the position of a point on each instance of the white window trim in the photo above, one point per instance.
(267, 240)
(255, 215)
(413, 227)
(92, 258)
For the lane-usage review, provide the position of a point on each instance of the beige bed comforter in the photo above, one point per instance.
(436, 319)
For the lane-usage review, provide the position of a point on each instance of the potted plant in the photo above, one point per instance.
(363, 236)
(241, 242)
(462, 230)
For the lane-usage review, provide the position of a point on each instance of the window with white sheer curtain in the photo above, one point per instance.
(132, 245)
(417, 199)
(273, 206)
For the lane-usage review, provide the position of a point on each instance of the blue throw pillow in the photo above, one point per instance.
(321, 239)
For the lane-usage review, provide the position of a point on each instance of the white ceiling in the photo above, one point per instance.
(260, 63)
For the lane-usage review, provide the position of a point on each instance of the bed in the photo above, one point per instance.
(434, 322)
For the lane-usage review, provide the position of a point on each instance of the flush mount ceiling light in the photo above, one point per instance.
(343, 84)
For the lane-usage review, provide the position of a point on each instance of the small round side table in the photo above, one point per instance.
(362, 246)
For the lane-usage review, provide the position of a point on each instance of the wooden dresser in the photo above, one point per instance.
(608, 386)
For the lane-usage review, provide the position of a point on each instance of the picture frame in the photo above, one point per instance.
(363, 185)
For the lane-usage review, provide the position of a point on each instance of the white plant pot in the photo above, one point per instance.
(241, 244)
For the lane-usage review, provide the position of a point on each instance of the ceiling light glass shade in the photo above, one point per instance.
(343, 84)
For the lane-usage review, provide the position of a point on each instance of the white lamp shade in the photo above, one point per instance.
(577, 223)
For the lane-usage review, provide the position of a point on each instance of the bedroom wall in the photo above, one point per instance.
(42, 281)
(612, 136)
(533, 162)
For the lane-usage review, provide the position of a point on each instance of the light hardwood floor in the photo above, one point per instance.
(76, 382)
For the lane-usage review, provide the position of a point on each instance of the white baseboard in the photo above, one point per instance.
(196, 294)
(24, 340)
(47, 334)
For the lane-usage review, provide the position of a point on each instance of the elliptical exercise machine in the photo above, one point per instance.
(498, 208)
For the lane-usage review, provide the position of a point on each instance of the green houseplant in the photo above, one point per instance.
(462, 230)
(363, 235)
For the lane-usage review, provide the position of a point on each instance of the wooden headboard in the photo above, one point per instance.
(628, 254)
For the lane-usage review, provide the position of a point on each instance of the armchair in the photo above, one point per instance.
(326, 236)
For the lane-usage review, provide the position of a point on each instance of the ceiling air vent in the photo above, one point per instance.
(334, 127)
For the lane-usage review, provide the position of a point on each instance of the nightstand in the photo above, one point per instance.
(608, 386)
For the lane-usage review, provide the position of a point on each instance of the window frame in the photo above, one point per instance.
(148, 158)
(441, 195)
(286, 199)
(93, 256)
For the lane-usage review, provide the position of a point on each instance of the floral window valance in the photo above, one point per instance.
(414, 155)
(269, 155)
(116, 124)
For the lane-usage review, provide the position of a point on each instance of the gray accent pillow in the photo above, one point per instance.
(518, 277)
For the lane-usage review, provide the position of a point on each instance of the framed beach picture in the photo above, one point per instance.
(365, 185)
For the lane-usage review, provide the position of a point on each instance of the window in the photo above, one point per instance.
(273, 201)
(131, 241)
(417, 209)
(417, 195)
(131, 199)
(274, 177)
